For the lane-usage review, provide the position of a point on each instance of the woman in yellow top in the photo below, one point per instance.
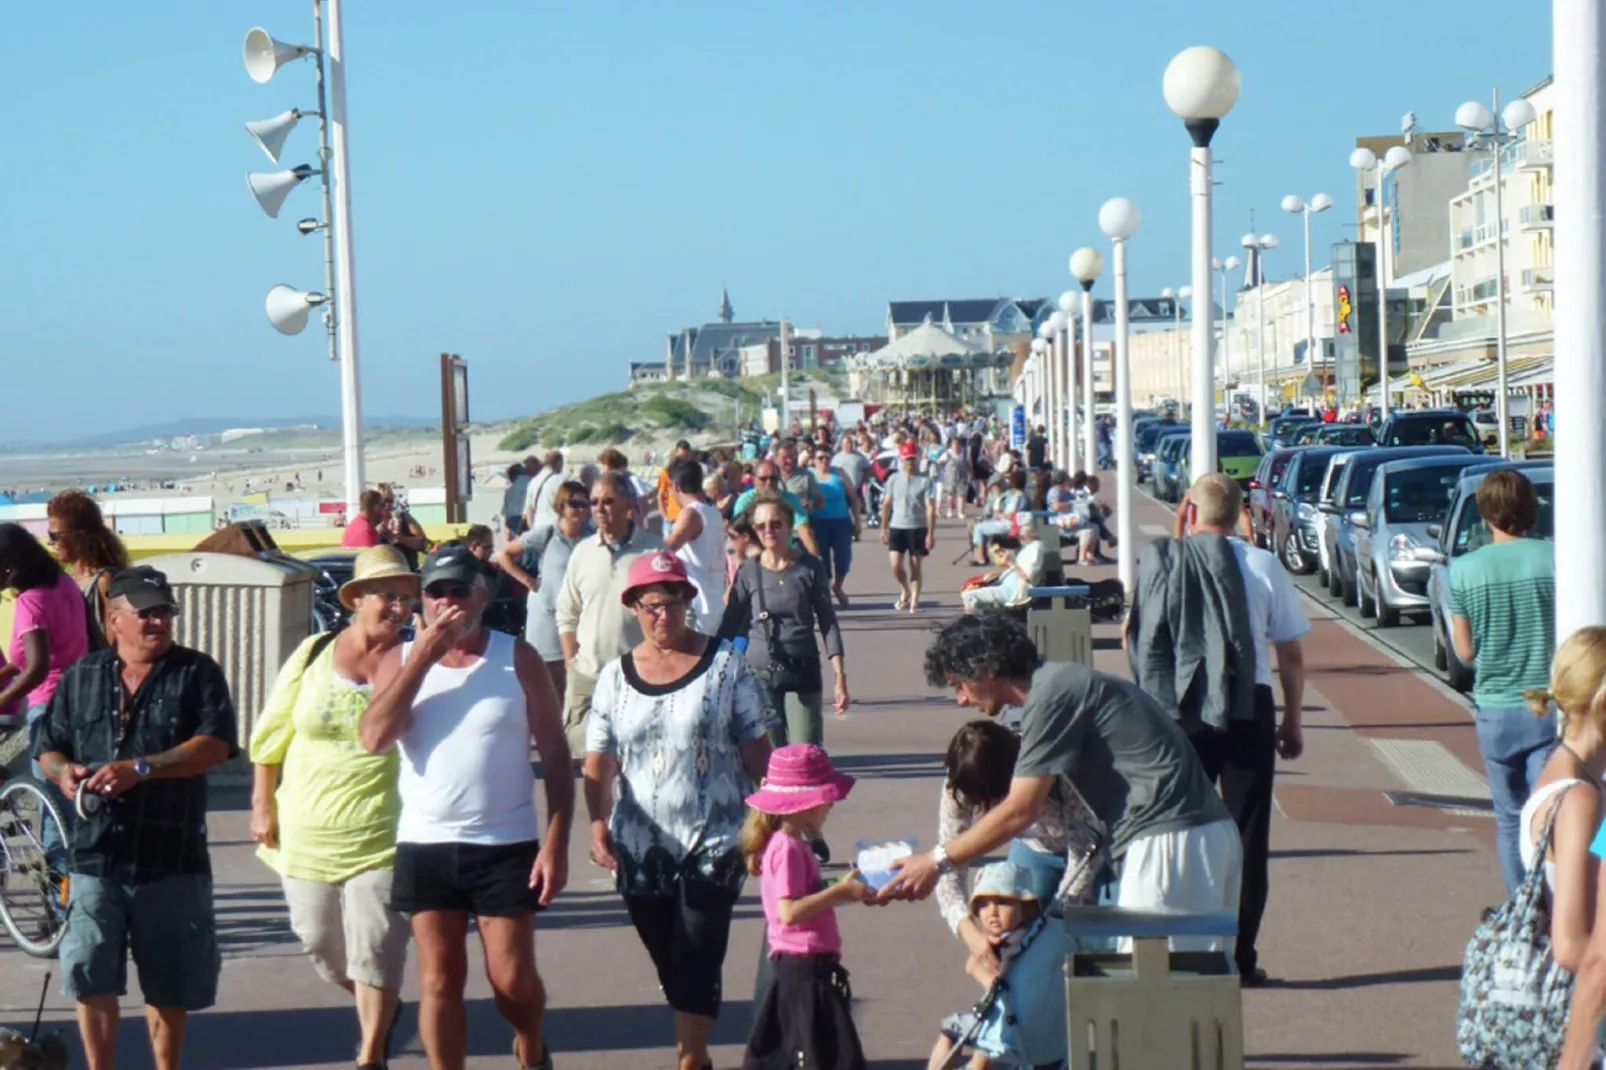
(324, 810)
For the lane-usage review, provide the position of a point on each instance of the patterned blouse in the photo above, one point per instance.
(680, 796)
(1064, 826)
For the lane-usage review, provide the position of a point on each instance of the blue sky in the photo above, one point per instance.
(547, 189)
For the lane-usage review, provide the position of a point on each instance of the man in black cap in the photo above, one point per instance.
(141, 872)
(463, 702)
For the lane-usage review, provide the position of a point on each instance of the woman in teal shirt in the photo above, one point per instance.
(836, 523)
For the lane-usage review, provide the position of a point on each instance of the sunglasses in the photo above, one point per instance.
(157, 613)
(601, 503)
(54, 536)
(765, 479)
(454, 589)
(769, 525)
(578, 503)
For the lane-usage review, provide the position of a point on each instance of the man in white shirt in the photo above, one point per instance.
(539, 510)
(517, 494)
(1243, 759)
(593, 625)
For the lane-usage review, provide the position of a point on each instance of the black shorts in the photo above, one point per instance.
(486, 880)
(686, 935)
(911, 541)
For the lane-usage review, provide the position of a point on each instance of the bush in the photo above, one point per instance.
(521, 439)
(664, 411)
(613, 434)
(580, 436)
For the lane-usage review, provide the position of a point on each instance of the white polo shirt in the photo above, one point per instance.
(1276, 614)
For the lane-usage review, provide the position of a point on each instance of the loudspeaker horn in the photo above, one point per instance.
(264, 55)
(272, 133)
(289, 307)
(270, 188)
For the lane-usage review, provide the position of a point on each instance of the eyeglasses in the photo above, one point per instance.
(578, 503)
(659, 609)
(454, 589)
(397, 601)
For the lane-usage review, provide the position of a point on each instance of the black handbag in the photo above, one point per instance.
(783, 674)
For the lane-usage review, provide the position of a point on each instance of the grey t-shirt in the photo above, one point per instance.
(1126, 755)
(909, 495)
(798, 601)
(852, 464)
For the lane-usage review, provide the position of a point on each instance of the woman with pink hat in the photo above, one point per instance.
(803, 1017)
(678, 735)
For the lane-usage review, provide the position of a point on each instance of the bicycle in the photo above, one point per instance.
(33, 886)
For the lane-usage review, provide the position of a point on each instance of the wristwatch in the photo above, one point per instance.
(945, 865)
(142, 768)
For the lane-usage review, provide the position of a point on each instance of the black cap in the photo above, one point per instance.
(143, 586)
(453, 561)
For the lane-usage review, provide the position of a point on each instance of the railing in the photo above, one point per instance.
(1539, 278)
(1538, 216)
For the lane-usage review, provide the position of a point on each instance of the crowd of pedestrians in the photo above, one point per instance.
(673, 657)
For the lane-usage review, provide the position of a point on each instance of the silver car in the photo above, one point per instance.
(1462, 532)
(1328, 527)
(1406, 498)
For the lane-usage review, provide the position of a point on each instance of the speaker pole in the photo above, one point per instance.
(333, 49)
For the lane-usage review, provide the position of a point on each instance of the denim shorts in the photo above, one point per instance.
(168, 924)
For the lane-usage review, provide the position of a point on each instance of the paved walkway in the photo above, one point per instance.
(1372, 901)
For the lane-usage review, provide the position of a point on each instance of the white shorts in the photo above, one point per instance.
(349, 929)
(1195, 871)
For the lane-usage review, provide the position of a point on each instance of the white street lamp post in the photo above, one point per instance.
(1225, 268)
(1087, 264)
(1201, 85)
(1046, 334)
(1580, 320)
(287, 308)
(1494, 131)
(1119, 219)
(1319, 203)
(1067, 307)
(1364, 159)
(1258, 245)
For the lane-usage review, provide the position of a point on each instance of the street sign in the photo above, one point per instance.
(1311, 386)
(1017, 426)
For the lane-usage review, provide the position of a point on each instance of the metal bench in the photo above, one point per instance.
(1153, 1006)
(1060, 623)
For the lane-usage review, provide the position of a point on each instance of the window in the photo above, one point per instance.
(1471, 532)
(810, 356)
(1419, 495)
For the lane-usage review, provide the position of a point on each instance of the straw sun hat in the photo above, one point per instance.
(375, 563)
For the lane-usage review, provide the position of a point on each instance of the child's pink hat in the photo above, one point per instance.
(800, 778)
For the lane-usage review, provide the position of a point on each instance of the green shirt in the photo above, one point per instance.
(337, 803)
(1507, 590)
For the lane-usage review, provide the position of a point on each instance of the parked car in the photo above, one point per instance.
(1430, 427)
(1326, 523)
(1268, 477)
(1281, 433)
(1349, 497)
(1345, 435)
(1293, 512)
(1144, 439)
(1238, 454)
(1306, 434)
(1462, 532)
(1167, 456)
(1406, 498)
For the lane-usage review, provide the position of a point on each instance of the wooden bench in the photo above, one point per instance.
(1152, 1007)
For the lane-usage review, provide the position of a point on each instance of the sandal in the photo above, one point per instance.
(902, 603)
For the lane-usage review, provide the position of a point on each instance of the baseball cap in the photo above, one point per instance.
(907, 450)
(453, 562)
(650, 570)
(143, 586)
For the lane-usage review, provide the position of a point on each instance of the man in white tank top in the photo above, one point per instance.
(462, 703)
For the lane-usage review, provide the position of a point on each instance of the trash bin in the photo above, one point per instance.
(249, 616)
(1153, 1007)
(1060, 624)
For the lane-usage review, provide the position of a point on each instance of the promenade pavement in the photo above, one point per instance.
(1372, 899)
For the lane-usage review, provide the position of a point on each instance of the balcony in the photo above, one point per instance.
(1533, 154)
(1482, 234)
(1539, 279)
(1537, 217)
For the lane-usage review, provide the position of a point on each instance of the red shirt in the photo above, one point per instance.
(1330, 416)
(360, 534)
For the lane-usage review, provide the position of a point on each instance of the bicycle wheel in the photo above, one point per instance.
(33, 881)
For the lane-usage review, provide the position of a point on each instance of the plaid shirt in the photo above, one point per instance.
(158, 827)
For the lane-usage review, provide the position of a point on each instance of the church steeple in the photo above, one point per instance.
(726, 313)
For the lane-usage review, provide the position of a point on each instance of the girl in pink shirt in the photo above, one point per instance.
(804, 1017)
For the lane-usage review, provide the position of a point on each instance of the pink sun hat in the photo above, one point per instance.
(800, 778)
(652, 569)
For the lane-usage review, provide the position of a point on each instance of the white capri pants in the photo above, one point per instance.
(1195, 870)
(349, 929)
